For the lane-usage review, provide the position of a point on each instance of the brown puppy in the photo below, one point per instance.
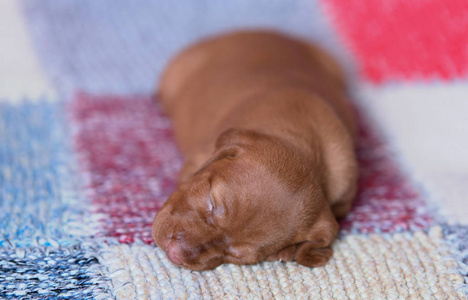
(268, 138)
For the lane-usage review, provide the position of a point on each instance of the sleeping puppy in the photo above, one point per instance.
(267, 134)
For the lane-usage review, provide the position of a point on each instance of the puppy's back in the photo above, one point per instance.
(206, 81)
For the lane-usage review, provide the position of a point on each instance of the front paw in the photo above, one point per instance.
(286, 254)
(312, 257)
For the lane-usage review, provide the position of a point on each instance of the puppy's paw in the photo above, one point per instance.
(286, 254)
(313, 257)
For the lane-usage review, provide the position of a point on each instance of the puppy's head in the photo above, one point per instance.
(251, 199)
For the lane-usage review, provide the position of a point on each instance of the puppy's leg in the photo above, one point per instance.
(342, 205)
(306, 254)
(286, 254)
(341, 209)
(342, 178)
(316, 249)
(309, 255)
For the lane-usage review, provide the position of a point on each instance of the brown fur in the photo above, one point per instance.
(268, 140)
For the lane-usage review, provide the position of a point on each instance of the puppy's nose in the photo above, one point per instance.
(174, 252)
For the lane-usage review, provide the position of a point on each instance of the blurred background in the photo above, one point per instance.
(122, 47)
(408, 62)
(75, 82)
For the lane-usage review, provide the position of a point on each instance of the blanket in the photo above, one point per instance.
(87, 158)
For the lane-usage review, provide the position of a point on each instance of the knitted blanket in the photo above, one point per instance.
(87, 159)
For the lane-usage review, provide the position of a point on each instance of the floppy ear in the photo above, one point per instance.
(229, 145)
(235, 137)
(316, 250)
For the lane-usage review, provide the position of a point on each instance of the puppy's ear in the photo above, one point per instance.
(234, 137)
(229, 145)
(316, 250)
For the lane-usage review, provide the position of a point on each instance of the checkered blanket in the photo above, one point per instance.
(87, 159)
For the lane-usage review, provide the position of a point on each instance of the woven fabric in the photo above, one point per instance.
(122, 48)
(425, 122)
(50, 273)
(401, 266)
(40, 203)
(399, 40)
(87, 159)
(130, 180)
(126, 148)
(22, 75)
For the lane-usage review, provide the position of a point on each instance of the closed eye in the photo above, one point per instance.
(209, 218)
(212, 208)
(211, 204)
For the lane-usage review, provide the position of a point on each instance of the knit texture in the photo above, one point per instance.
(403, 266)
(401, 40)
(87, 158)
(50, 273)
(40, 200)
(130, 180)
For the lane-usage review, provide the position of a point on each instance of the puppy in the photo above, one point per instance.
(267, 134)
